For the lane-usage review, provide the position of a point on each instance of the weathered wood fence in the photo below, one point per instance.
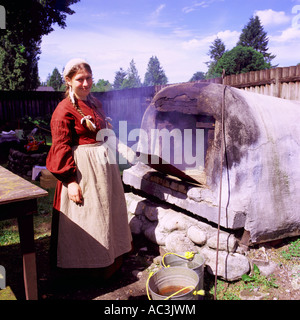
(14, 105)
(127, 104)
(278, 82)
(130, 104)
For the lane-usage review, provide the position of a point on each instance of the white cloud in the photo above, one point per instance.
(107, 50)
(230, 38)
(159, 9)
(154, 17)
(201, 4)
(271, 17)
(285, 42)
(287, 35)
(285, 57)
(193, 7)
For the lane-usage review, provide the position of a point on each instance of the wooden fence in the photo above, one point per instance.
(278, 82)
(130, 104)
(127, 104)
(15, 105)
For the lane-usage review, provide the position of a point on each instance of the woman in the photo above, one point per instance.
(89, 203)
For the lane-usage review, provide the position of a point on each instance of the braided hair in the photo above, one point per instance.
(70, 94)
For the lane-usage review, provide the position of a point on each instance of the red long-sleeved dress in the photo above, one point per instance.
(93, 234)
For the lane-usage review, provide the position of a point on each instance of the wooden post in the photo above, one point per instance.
(25, 223)
(278, 74)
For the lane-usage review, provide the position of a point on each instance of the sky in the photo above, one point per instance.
(108, 34)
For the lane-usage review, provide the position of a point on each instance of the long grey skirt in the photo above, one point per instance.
(93, 234)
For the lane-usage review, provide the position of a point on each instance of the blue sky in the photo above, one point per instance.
(110, 33)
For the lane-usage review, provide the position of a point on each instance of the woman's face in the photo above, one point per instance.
(81, 84)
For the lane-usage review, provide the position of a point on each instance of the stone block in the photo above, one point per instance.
(200, 203)
(231, 266)
(197, 235)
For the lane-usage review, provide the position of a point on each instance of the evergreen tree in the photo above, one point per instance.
(119, 79)
(26, 23)
(155, 74)
(55, 80)
(133, 79)
(253, 35)
(217, 49)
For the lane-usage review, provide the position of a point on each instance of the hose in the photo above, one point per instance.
(221, 174)
(187, 256)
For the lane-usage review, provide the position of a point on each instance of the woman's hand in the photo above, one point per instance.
(75, 193)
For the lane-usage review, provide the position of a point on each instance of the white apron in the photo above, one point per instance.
(93, 234)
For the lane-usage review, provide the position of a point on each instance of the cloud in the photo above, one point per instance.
(108, 50)
(193, 7)
(285, 42)
(158, 10)
(271, 17)
(201, 4)
(154, 18)
(182, 33)
(230, 38)
(288, 35)
(285, 57)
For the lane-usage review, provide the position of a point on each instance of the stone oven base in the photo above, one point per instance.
(194, 198)
(176, 231)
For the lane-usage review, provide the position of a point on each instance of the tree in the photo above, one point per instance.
(26, 23)
(217, 49)
(155, 74)
(11, 76)
(132, 79)
(101, 86)
(241, 60)
(119, 79)
(198, 76)
(253, 35)
(55, 80)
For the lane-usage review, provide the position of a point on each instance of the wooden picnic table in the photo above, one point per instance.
(18, 199)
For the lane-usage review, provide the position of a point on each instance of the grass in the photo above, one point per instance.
(255, 282)
(9, 232)
(293, 250)
(251, 283)
(42, 220)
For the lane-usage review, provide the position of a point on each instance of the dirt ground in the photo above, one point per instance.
(129, 283)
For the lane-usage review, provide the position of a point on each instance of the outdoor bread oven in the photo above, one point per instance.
(260, 172)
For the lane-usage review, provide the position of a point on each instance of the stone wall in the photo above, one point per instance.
(175, 231)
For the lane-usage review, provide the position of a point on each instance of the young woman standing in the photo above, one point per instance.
(90, 226)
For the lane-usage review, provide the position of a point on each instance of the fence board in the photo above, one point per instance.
(130, 104)
(277, 82)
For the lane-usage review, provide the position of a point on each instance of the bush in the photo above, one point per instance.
(241, 60)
